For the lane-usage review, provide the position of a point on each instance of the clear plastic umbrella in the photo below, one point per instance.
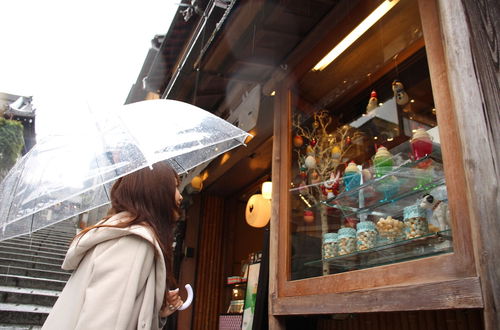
(65, 175)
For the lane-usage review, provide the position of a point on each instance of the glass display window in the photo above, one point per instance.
(367, 185)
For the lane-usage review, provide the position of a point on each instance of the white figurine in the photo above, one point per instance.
(373, 102)
(440, 212)
(401, 96)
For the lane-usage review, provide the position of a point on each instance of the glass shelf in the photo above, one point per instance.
(390, 193)
(391, 252)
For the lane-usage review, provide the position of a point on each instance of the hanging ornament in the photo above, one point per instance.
(310, 162)
(336, 152)
(373, 102)
(313, 142)
(308, 216)
(400, 95)
(310, 150)
(315, 124)
(303, 174)
(298, 141)
(347, 140)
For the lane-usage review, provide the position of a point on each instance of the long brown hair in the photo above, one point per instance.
(149, 195)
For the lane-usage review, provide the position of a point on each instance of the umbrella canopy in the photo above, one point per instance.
(65, 175)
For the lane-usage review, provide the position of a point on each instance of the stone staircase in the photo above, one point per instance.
(31, 277)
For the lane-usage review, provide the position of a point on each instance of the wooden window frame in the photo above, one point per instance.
(439, 282)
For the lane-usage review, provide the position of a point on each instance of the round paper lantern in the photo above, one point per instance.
(197, 183)
(258, 211)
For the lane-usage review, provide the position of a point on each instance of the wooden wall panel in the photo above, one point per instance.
(460, 319)
(209, 271)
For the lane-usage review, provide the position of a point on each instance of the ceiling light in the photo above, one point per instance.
(356, 33)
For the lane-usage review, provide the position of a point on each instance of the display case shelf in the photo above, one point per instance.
(390, 193)
(386, 253)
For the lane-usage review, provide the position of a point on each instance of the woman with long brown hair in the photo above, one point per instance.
(122, 266)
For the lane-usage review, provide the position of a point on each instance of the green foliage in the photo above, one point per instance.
(11, 144)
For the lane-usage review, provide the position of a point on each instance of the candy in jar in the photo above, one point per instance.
(415, 221)
(330, 241)
(366, 235)
(347, 241)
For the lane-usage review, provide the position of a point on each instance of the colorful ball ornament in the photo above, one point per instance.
(313, 142)
(310, 162)
(258, 211)
(315, 124)
(308, 216)
(298, 141)
(309, 150)
(336, 152)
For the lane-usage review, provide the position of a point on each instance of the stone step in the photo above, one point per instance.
(27, 296)
(27, 314)
(31, 282)
(30, 257)
(19, 327)
(9, 248)
(30, 264)
(51, 239)
(38, 247)
(38, 242)
(38, 273)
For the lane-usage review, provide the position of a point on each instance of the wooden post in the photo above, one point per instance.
(278, 179)
(470, 41)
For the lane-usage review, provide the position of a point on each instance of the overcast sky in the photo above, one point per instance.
(68, 54)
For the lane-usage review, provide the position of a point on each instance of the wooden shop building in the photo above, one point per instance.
(377, 122)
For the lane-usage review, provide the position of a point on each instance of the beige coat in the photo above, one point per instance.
(117, 282)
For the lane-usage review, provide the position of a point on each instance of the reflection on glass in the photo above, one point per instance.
(366, 155)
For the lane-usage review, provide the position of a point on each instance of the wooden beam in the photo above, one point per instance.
(461, 293)
(471, 51)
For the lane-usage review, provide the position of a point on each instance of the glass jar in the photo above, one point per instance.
(330, 242)
(415, 220)
(390, 230)
(366, 235)
(347, 241)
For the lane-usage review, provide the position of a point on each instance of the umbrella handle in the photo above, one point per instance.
(189, 298)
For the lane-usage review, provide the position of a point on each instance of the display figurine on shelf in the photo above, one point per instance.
(400, 95)
(421, 144)
(373, 102)
(440, 212)
(382, 161)
(352, 176)
(332, 186)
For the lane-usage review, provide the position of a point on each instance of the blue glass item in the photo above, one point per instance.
(352, 177)
(389, 187)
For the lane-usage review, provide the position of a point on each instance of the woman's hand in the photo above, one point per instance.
(171, 303)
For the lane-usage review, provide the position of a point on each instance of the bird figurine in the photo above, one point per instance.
(373, 102)
(400, 95)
